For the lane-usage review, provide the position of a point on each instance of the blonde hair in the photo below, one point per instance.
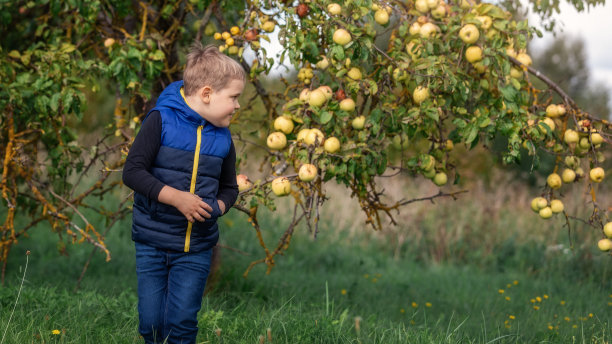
(207, 66)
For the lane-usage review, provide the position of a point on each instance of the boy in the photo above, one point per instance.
(182, 169)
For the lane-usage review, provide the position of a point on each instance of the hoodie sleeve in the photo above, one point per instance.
(228, 187)
(137, 169)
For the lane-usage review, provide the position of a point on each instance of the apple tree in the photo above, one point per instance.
(382, 87)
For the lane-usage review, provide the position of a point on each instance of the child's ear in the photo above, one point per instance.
(205, 93)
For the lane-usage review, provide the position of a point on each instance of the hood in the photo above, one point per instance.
(171, 98)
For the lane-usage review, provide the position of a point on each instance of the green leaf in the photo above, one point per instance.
(326, 116)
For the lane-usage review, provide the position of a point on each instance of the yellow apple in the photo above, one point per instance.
(381, 17)
(331, 145)
(268, 26)
(334, 9)
(415, 28)
(243, 182)
(432, 3)
(546, 213)
(473, 54)
(354, 73)
(327, 91)
(584, 143)
(323, 63)
(284, 124)
(400, 141)
(439, 12)
(281, 186)
(358, 122)
(511, 52)
(301, 136)
(109, 42)
(276, 140)
(304, 95)
(347, 105)
(538, 203)
(440, 178)
(524, 59)
(515, 73)
(571, 136)
(342, 37)
(556, 206)
(421, 6)
(307, 172)
(554, 181)
(485, 21)
(552, 111)
(597, 174)
(314, 136)
(596, 139)
(420, 94)
(427, 162)
(579, 172)
(469, 33)
(608, 229)
(568, 176)
(549, 122)
(428, 29)
(317, 98)
(604, 245)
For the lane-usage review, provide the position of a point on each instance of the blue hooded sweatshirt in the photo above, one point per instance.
(189, 159)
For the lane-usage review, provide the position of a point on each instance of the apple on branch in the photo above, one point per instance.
(243, 182)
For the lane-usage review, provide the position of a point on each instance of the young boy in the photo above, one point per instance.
(182, 169)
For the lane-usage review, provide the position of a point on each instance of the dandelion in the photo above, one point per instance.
(402, 311)
(532, 300)
(415, 305)
(366, 275)
(343, 292)
(574, 326)
(428, 304)
(379, 275)
(562, 302)
(546, 296)
(55, 332)
(412, 322)
(515, 282)
(550, 327)
(508, 285)
(501, 291)
(567, 319)
(507, 298)
(590, 315)
(512, 317)
(374, 280)
(539, 299)
(536, 307)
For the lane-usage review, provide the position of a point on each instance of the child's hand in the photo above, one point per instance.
(221, 206)
(190, 205)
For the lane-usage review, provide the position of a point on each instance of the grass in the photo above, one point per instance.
(343, 287)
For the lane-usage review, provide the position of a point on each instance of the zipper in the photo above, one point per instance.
(194, 174)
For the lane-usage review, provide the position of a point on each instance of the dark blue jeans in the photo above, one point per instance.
(170, 289)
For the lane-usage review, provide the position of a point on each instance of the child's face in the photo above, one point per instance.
(222, 104)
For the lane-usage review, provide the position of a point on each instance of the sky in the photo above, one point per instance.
(595, 27)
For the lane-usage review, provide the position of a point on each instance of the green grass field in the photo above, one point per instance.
(343, 287)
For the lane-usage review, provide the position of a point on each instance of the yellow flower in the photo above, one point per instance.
(379, 275)
(415, 305)
(539, 299)
(567, 319)
(56, 332)
(550, 327)
(536, 307)
(532, 300)
(562, 302)
(515, 282)
(427, 304)
(402, 310)
(512, 317)
(508, 285)
(545, 296)
(590, 315)
(575, 326)
(343, 291)
(374, 280)
(366, 275)
(501, 291)
(507, 298)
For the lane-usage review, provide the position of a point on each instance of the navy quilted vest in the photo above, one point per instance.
(161, 225)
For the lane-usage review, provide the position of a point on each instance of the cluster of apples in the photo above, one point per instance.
(605, 244)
